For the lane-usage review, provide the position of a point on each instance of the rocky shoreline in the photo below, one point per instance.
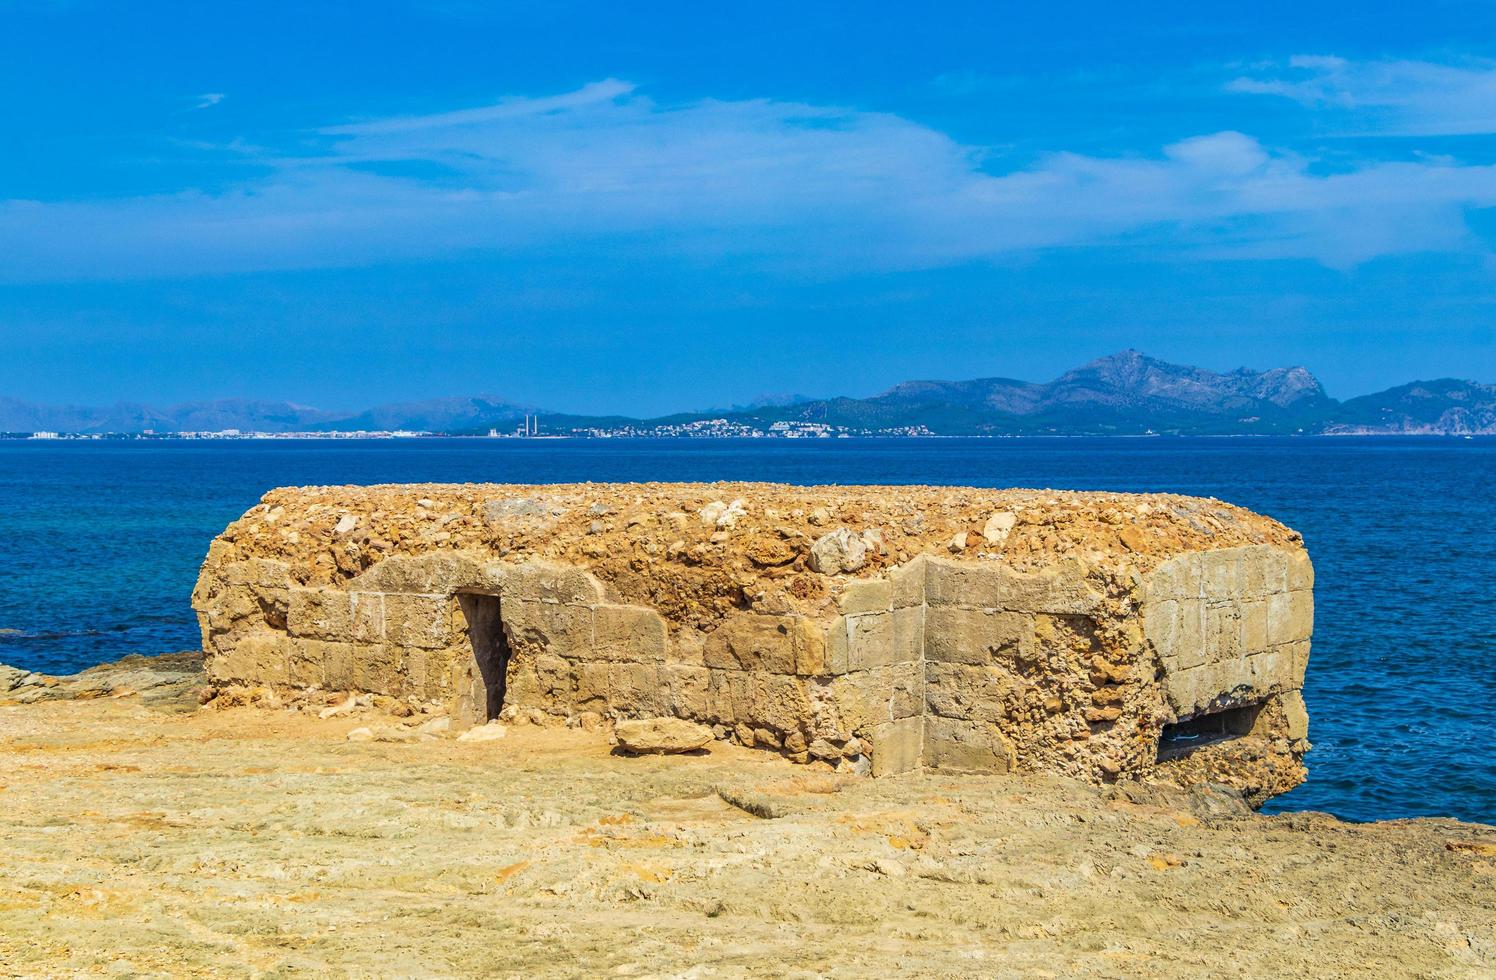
(147, 833)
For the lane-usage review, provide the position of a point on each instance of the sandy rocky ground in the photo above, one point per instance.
(143, 834)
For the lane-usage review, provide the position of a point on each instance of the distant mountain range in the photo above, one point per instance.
(436, 415)
(1124, 394)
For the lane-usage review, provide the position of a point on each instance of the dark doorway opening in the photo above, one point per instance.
(490, 651)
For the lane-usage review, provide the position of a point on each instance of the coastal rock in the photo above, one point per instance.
(824, 750)
(491, 732)
(663, 736)
(496, 511)
(837, 552)
(155, 680)
(721, 515)
(435, 726)
(12, 678)
(998, 527)
(744, 859)
(342, 708)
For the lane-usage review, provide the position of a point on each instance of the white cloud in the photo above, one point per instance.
(818, 189)
(207, 100)
(588, 95)
(1406, 97)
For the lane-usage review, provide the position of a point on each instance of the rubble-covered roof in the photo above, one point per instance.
(696, 550)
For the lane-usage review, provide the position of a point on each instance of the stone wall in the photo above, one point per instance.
(1087, 665)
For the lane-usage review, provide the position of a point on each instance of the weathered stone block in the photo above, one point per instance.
(522, 685)
(1162, 584)
(437, 572)
(870, 640)
(1295, 714)
(1161, 626)
(860, 700)
(439, 664)
(376, 667)
(1299, 650)
(229, 606)
(867, 596)
(857, 643)
(1222, 631)
(1253, 625)
(1191, 639)
(686, 689)
(1264, 570)
(534, 628)
(592, 685)
(245, 609)
(970, 585)
(724, 691)
(1178, 578)
(1301, 612)
(324, 662)
(629, 633)
(753, 642)
(417, 680)
(1275, 565)
(896, 746)
(1270, 670)
(319, 614)
(263, 572)
(1290, 616)
(1061, 590)
(421, 621)
(966, 746)
(545, 582)
(907, 643)
(258, 658)
(810, 648)
(1191, 690)
(974, 636)
(974, 693)
(837, 647)
(1300, 572)
(772, 701)
(908, 583)
(1254, 572)
(1222, 573)
(557, 678)
(366, 617)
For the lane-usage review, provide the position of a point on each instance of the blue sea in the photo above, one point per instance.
(100, 543)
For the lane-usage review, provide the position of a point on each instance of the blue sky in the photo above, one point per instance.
(645, 207)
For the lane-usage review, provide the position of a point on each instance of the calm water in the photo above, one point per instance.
(100, 542)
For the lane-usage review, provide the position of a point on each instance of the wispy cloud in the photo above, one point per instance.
(821, 189)
(592, 94)
(207, 100)
(1389, 97)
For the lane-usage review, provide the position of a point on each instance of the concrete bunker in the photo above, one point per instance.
(880, 630)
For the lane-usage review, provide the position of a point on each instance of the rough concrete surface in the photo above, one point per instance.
(159, 838)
